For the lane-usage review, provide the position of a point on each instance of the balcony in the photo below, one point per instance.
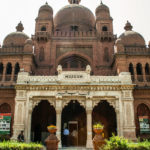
(41, 36)
(107, 36)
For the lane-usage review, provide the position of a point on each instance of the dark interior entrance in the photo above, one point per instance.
(43, 115)
(105, 114)
(74, 118)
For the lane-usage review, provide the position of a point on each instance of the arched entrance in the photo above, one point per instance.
(105, 114)
(43, 115)
(74, 118)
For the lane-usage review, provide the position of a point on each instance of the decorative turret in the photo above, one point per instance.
(19, 27)
(74, 1)
(128, 26)
(104, 25)
(44, 23)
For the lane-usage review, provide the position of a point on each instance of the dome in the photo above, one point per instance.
(102, 7)
(131, 38)
(17, 38)
(46, 7)
(74, 15)
(45, 12)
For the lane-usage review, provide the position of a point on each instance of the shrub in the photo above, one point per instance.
(120, 143)
(11, 145)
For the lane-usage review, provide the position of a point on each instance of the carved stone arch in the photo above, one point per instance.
(81, 102)
(110, 102)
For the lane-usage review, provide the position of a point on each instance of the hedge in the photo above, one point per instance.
(12, 145)
(120, 143)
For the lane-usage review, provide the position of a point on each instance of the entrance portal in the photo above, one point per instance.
(105, 114)
(43, 115)
(74, 118)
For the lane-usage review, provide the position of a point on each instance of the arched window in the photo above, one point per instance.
(5, 108)
(139, 72)
(17, 68)
(104, 28)
(43, 28)
(147, 72)
(74, 28)
(74, 63)
(1, 68)
(106, 55)
(9, 69)
(131, 70)
(143, 116)
(41, 54)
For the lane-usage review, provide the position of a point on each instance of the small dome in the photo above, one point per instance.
(118, 41)
(45, 12)
(17, 38)
(130, 37)
(74, 15)
(28, 41)
(102, 11)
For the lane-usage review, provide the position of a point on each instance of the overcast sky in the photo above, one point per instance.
(136, 11)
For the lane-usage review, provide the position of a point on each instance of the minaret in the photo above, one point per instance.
(74, 1)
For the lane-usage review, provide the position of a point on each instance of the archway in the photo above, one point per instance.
(43, 115)
(105, 114)
(74, 118)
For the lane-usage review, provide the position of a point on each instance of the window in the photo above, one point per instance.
(106, 55)
(139, 69)
(9, 69)
(74, 28)
(1, 68)
(131, 70)
(147, 71)
(5, 108)
(41, 54)
(104, 28)
(43, 28)
(17, 68)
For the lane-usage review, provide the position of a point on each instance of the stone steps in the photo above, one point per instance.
(74, 148)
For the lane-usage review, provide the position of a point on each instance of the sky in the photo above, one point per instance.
(14, 11)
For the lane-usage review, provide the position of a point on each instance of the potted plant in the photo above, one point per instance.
(52, 129)
(98, 128)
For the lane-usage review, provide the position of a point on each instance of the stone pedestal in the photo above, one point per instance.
(98, 141)
(52, 142)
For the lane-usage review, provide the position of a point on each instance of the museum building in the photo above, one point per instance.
(73, 72)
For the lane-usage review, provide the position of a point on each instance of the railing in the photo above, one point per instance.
(41, 35)
(13, 49)
(147, 78)
(7, 77)
(1, 77)
(107, 36)
(132, 78)
(137, 50)
(140, 78)
(74, 34)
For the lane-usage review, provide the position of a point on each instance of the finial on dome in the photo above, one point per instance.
(20, 27)
(128, 26)
(101, 2)
(46, 3)
(74, 1)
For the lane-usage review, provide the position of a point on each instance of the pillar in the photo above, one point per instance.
(89, 143)
(12, 73)
(135, 74)
(4, 72)
(143, 74)
(58, 120)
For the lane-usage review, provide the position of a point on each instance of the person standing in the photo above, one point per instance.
(66, 135)
(20, 137)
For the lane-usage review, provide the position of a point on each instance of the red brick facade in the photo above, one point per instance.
(74, 43)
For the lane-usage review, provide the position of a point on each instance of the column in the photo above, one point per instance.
(12, 73)
(135, 74)
(4, 72)
(58, 120)
(89, 143)
(143, 73)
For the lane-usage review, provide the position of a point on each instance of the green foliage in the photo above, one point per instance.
(13, 145)
(120, 143)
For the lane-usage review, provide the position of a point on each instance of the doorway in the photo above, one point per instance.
(43, 115)
(74, 119)
(105, 114)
